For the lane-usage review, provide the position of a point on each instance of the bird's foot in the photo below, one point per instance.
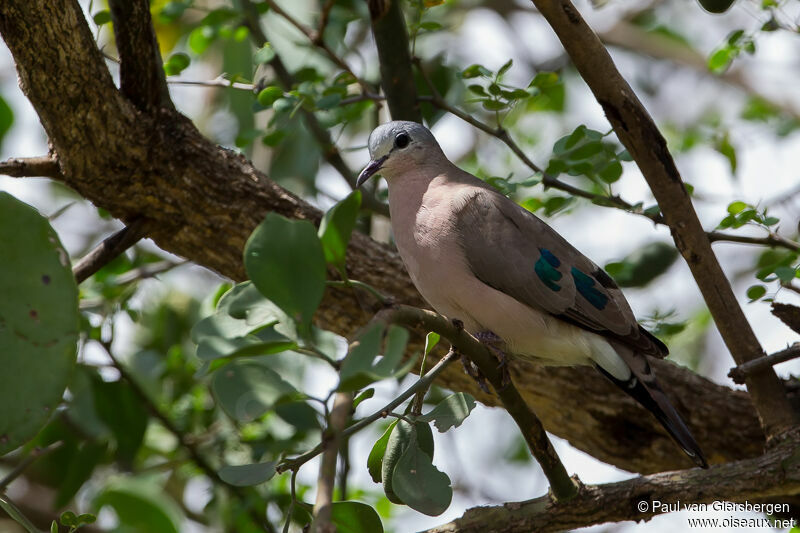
(475, 373)
(493, 342)
(458, 324)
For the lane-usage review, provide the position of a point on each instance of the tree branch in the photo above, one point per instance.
(109, 249)
(397, 77)
(331, 440)
(637, 131)
(775, 474)
(739, 373)
(561, 485)
(44, 166)
(142, 78)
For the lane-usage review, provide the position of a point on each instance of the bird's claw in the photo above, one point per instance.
(475, 373)
(491, 340)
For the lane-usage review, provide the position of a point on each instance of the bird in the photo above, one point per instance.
(478, 257)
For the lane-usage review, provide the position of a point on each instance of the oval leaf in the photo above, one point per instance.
(419, 484)
(38, 322)
(246, 390)
(355, 517)
(451, 411)
(247, 475)
(284, 258)
(337, 226)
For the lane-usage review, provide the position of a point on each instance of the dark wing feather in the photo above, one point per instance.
(513, 251)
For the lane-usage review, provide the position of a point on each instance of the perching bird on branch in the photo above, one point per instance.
(477, 256)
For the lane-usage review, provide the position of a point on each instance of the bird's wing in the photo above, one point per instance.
(511, 250)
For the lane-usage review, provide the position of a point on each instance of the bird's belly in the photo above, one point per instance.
(528, 333)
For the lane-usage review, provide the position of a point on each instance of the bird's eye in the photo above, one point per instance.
(402, 140)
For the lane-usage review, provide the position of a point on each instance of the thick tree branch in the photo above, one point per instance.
(397, 76)
(204, 201)
(142, 78)
(637, 131)
(775, 474)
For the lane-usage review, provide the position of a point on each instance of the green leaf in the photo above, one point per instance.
(419, 484)
(337, 226)
(477, 89)
(247, 475)
(246, 389)
(123, 412)
(473, 71)
(494, 105)
(364, 395)
(172, 11)
(643, 265)
(771, 221)
(15, 514)
(355, 517)
(268, 95)
(265, 54)
(611, 172)
(6, 118)
(201, 38)
(785, 273)
(451, 411)
(286, 262)
(721, 59)
(734, 208)
(39, 322)
(358, 370)
(375, 459)
(505, 67)
(102, 17)
(141, 506)
(724, 147)
(53, 527)
(266, 341)
(176, 64)
(755, 292)
(431, 340)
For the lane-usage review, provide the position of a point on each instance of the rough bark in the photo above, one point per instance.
(776, 473)
(637, 131)
(202, 201)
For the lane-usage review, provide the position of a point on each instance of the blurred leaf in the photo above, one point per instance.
(80, 468)
(247, 475)
(142, 507)
(724, 147)
(366, 394)
(265, 54)
(102, 17)
(39, 321)
(755, 292)
(6, 118)
(358, 370)
(451, 411)
(246, 390)
(124, 413)
(643, 265)
(286, 262)
(355, 517)
(336, 227)
(431, 340)
(176, 64)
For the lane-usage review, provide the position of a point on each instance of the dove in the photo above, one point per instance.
(478, 257)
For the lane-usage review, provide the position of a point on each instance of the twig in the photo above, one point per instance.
(562, 486)
(297, 462)
(219, 82)
(772, 240)
(109, 249)
(738, 373)
(326, 481)
(147, 271)
(34, 455)
(316, 40)
(640, 135)
(44, 166)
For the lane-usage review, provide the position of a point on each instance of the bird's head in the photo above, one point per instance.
(398, 146)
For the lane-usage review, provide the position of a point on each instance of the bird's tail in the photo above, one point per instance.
(643, 387)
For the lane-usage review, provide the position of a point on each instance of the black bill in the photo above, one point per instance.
(373, 167)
